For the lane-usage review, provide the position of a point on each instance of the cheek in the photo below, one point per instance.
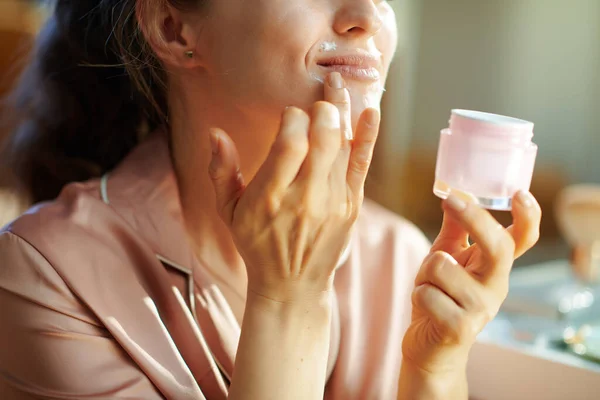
(387, 40)
(262, 62)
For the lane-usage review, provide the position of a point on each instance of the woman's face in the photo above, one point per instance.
(264, 55)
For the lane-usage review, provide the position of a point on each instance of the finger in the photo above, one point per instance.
(362, 150)
(441, 309)
(287, 154)
(527, 215)
(495, 243)
(337, 94)
(444, 272)
(452, 238)
(224, 171)
(324, 142)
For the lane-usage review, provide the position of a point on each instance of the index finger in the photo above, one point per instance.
(494, 241)
(337, 94)
(362, 150)
(452, 237)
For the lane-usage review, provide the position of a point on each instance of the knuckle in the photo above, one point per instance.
(305, 209)
(339, 211)
(361, 163)
(420, 296)
(272, 205)
(216, 174)
(342, 103)
(435, 267)
(368, 141)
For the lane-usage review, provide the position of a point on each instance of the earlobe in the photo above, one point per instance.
(164, 30)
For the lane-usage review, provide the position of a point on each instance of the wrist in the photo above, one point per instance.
(436, 359)
(417, 383)
(290, 291)
(315, 306)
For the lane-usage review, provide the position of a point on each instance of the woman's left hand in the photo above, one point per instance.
(460, 287)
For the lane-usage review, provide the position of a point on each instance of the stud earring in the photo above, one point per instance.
(189, 54)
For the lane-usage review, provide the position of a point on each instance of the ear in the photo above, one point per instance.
(172, 37)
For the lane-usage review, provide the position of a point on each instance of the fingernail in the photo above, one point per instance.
(456, 203)
(525, 198)
(215, 138)
(336, 81)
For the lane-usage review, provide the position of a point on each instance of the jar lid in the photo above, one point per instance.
(477, 122)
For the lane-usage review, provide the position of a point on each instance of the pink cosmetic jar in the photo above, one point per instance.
(486, 157)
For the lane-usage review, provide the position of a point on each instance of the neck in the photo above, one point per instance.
(191, 118)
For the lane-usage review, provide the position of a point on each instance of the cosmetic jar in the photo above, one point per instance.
(486, 157)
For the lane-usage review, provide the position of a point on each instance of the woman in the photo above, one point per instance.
(131, 285)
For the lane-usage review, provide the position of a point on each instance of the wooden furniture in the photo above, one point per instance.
(19, 22)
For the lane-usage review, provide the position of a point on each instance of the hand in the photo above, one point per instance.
(460, 287)
(291, 222)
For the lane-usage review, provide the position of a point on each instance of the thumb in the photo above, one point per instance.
(224, 171)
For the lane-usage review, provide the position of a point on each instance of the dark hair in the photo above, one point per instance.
(92, 89)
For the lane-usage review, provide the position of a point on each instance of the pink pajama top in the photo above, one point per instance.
(101, 297)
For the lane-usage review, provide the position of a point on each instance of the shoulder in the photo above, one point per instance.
(53, 237)
(76, 201)
(380, 229)
(62, 223)
(44, 255)
(27, 243)
(29, 280)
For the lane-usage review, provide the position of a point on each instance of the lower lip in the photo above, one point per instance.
(354, 72)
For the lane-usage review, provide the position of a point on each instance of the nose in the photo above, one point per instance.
(357, 17)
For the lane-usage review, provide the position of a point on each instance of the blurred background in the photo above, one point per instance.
(537, 60)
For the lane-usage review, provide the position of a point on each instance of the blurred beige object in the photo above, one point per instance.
(11, 205)
(19, 23)
(578, 216)
(20, 16)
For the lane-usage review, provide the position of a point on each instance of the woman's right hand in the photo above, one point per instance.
(292, 221)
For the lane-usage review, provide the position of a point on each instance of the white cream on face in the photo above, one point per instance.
(316, 77)
(328, 46)
(325, 47)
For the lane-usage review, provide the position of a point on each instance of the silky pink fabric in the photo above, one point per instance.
(101, 297)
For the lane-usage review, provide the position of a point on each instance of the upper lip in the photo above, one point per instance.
(359, 58)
